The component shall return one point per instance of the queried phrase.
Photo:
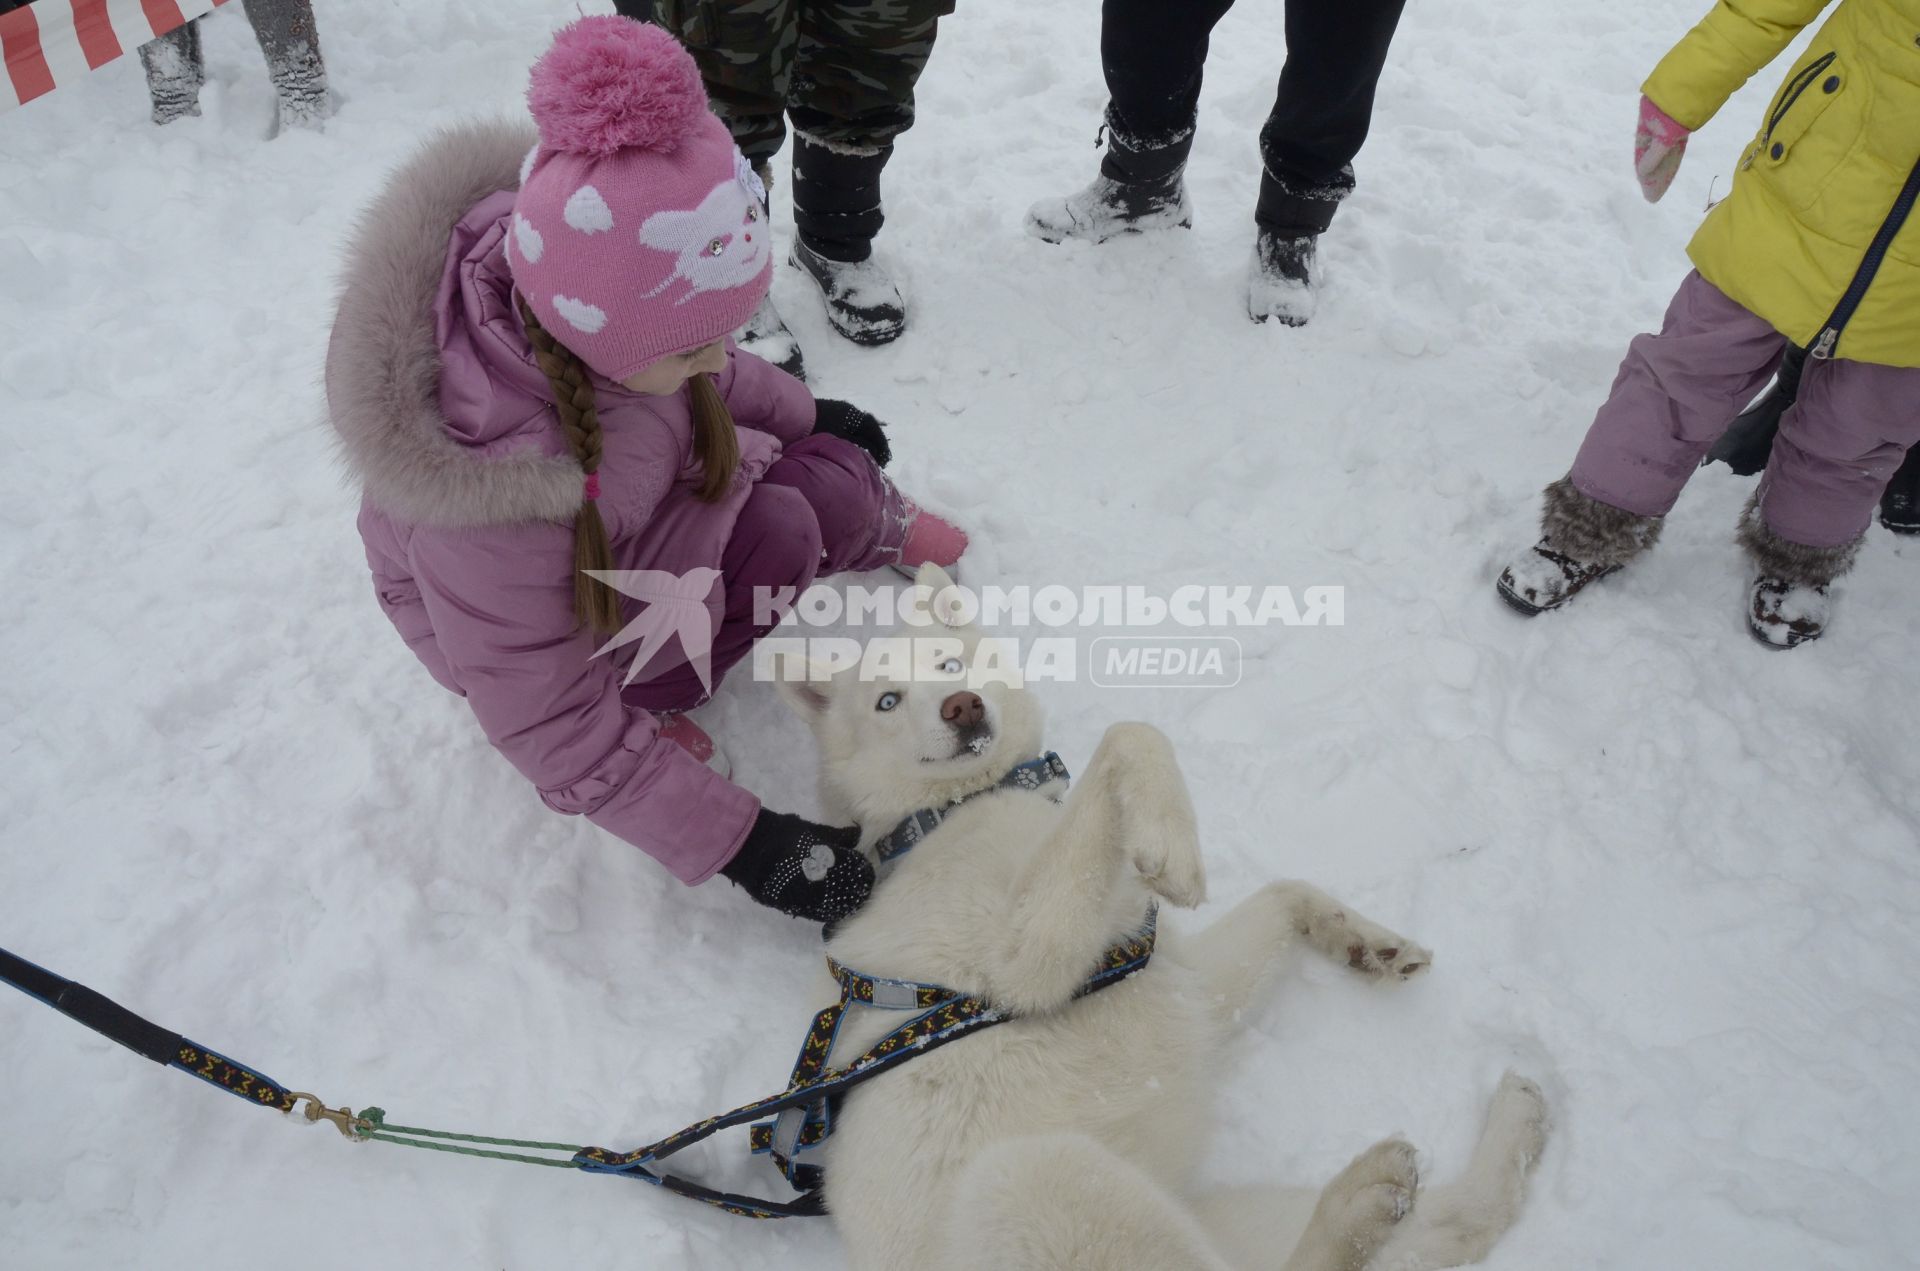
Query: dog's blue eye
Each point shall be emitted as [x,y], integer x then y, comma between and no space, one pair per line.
[887,702]
[952,666]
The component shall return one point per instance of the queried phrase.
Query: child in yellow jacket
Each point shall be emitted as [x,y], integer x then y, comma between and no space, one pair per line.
[1815,247]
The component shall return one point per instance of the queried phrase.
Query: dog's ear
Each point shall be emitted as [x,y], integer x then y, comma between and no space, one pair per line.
[805,684]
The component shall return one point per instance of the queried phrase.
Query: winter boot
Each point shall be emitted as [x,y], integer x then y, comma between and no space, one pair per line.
[1582,540]
[1789,602]
[690,737]
[175,72]
[291,43]
[1140,188]
[836,208]
[765,334]
[1748,441]
[1290,219]
[929,538]
[1900,502]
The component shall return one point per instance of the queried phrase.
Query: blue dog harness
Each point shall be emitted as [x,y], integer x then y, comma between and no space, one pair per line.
[803,1114]
[1031,775]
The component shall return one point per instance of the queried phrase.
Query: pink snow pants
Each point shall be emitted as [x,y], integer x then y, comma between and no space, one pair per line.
[1677,391]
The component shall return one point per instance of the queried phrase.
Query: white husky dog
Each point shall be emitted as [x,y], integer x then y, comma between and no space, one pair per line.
[1070,1136]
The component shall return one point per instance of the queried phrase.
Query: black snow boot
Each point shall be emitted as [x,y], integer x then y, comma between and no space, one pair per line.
[836,208]
[1900,502]
[1290,218]
[291,43]
[1748,441]
[766,334]
[175,72]
[1140,188]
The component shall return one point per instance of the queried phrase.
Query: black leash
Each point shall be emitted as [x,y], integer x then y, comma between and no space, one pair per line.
[143,1037]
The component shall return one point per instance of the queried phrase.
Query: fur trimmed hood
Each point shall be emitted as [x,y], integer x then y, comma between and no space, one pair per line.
[383,362]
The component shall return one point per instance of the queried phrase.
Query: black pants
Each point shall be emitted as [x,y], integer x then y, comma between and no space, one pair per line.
[1153,52]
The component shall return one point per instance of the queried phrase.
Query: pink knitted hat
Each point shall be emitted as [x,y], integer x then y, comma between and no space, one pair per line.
[638,230]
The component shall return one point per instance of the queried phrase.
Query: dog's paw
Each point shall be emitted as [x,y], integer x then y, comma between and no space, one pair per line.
[1373,950]
[1518,1119]
[1167,858]
[1361,1206]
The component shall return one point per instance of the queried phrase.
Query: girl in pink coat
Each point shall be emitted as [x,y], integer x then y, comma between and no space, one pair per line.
[530,375]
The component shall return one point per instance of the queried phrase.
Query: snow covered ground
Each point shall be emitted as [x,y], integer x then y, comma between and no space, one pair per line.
[1671,874]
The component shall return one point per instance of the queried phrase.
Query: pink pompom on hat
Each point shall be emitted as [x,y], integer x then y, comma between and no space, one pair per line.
[638,231]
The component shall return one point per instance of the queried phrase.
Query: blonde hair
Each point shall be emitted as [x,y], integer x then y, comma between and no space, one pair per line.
[716,444]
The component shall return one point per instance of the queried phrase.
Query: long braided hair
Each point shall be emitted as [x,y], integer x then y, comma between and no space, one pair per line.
[715,444]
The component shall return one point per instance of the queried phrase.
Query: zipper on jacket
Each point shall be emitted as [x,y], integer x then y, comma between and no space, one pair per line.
[1792,93]
[1822,346]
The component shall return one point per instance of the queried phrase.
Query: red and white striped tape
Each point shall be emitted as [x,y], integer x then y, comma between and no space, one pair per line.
[52,42]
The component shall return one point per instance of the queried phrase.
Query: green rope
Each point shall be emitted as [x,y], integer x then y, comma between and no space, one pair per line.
[381,1132]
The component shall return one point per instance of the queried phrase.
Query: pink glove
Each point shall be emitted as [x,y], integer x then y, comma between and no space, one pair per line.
[1658,145]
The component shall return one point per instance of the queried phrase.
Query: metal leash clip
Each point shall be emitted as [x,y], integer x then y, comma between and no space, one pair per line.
[353,1127]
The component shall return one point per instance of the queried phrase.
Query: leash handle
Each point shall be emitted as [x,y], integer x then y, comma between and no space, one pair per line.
[144,1037]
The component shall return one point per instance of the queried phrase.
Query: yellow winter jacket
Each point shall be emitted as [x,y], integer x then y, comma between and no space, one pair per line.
[1815,236]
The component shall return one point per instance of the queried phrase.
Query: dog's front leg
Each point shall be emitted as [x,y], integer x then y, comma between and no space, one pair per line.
[1128,814]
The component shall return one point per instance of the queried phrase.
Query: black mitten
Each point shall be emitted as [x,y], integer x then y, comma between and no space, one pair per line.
[849,423]
[802,868]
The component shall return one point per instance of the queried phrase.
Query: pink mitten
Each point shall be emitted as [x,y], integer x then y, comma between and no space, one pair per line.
[1658,145]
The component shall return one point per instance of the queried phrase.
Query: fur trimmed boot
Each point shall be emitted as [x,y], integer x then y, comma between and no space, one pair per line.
[836,207]
[1139,188]
[766,334]
[1291,218]
[1582,540]
[1789,603]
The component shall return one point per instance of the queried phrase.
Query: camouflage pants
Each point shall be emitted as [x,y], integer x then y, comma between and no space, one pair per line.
[844,70]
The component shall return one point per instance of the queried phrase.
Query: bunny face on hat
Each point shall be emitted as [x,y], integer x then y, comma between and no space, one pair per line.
[639,230]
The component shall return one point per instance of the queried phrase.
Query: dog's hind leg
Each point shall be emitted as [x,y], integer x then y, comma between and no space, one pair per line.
[1062,1202]
[1456,1225]
[1128,812]
[1338,1228]
[1241,953]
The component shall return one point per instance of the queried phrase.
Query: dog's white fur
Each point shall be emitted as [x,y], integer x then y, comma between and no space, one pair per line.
[1070,1136]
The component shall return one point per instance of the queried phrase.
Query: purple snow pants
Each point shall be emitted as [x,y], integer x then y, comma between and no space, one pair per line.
[822,508]
[1677,391]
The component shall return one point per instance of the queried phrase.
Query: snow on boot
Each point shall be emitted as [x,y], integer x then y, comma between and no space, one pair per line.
[291,43]
[1789,604]
[1582,540]
[1140,188]
[1291,216]
[690,737]
[766,336]
[929,539]
[863,304]
[175,72]
[1109,208]
[836,208]
[1280,281]
[1900,502]
[1782,614]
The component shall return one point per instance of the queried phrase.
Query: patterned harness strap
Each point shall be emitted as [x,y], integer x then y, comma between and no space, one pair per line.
[803,1113]
[904,837]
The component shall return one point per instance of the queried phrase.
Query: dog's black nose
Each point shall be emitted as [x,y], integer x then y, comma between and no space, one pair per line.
[963,710]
